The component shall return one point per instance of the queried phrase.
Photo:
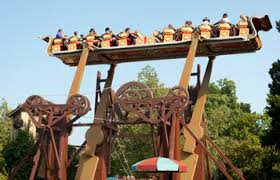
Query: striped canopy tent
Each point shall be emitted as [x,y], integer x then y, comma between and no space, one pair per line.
[159,164]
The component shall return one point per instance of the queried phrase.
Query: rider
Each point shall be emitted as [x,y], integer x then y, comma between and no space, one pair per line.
[170,27]
[170,30]
[92,37]
[158,36]
[113,36]
[74,39]
[225,18]
[243,18]
[217,25]
[243,23]
[205,26]
[64,38]
[188,24]
[131,35]
[206,21]
[59,34]
[81,38]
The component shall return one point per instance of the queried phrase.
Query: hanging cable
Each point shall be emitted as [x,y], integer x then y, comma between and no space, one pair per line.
[125,159]
[92,92]
[124,168]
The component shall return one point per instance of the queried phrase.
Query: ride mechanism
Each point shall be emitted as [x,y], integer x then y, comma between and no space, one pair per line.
[178,114]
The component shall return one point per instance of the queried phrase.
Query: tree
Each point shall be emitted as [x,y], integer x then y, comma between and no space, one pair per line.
[135,142]
[273,108]
[149,76]
[71,171]
[15,150]
[237,131]
[5,132]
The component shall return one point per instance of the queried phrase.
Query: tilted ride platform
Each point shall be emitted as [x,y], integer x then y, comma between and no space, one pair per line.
[177,49]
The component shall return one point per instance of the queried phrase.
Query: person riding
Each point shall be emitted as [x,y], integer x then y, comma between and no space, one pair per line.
[129,35]
[187,27]
[92,32]
[170,27]
[76,34]
[59,34]
[108,31]
[225,19]
[205,27]
[243,19]
[206,21]
[189,24]
[158,36]
[109,34]
[168,31]
[92,37]
[81,39]
[243,25]
[64,38]
[65,41]
[224,23]
[74,37]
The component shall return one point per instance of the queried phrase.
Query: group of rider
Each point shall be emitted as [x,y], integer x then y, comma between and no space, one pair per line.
[132,35]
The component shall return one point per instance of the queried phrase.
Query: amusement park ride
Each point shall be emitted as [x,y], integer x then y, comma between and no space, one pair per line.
[176,116]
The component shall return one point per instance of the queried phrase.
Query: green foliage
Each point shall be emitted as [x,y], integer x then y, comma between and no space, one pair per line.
[237,131]
[134,145]
[12,151]
[15,150]
[255,161]
[149,76]
[71,171]
[5,132]
[273,108]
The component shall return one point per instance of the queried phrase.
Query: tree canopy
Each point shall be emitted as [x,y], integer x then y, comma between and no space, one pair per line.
[273,108]
[5,132]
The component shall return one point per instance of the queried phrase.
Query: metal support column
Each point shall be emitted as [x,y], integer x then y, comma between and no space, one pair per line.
[188,155]
[89,162]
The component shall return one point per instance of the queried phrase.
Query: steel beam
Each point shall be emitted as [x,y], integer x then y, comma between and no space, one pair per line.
[76,83]
[188,155]
[89,162]
[184,83]
[186,74]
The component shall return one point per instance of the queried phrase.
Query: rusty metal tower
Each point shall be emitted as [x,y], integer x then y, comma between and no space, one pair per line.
[172,108]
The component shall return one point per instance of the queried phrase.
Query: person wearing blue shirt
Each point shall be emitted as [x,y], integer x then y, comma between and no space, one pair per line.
[59,34]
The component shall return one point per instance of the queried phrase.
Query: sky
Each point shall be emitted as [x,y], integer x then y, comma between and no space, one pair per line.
[25,68]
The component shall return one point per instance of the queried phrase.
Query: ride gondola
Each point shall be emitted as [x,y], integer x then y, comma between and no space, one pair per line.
[244,40]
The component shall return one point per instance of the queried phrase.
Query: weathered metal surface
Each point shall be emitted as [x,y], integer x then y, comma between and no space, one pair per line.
[219,164]
[89,162]
[50,121]
[208,47]
[195,124]
[76,83]
[137,99]
[187,70]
